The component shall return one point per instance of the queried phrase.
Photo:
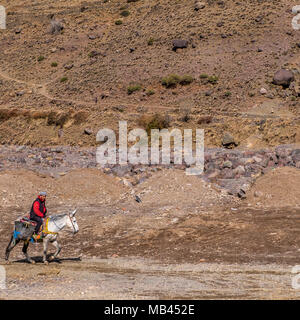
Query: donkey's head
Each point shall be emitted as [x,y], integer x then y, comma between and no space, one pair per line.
[71,222]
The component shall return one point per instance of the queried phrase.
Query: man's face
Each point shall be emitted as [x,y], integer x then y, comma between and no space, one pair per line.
[43,198]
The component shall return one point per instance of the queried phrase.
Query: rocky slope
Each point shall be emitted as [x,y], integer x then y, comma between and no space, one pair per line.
[69,66]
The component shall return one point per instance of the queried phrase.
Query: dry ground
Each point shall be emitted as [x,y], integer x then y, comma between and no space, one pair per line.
[184,240]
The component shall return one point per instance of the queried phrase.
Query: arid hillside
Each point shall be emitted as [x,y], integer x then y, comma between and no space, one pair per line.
[70,68]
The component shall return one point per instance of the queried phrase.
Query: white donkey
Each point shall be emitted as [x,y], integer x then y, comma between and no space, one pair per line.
[54,225]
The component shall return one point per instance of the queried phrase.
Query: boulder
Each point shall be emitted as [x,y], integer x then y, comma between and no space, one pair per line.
[228,140]
[179,44]
[283,77]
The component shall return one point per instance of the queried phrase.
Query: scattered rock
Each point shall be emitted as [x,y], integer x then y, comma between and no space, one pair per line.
[228,140]
[179,44]
[88,131]
[283,77]
[199,6]
[263,91]
[56,27]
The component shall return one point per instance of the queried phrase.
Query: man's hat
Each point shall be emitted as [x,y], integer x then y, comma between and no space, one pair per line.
[43,193]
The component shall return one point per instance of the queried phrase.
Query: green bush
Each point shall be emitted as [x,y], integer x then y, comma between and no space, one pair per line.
[172,80]
[54,64]
[156,121]
[213,79]
[150,92]
[118,22]
[185,80]
[40,58]
[134,88]
[203,76]
[63,79]
[125,13]
[150,42]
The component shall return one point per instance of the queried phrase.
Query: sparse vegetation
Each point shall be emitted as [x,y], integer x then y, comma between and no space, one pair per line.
[150,42]
[185,80]
[156,121]
[118,22]
[213,79]
[54,64]
[40,58]
[186,115]
[203,76]
[63,79]
[133,88]
[57,118]
[125,13]
[172,80]
[150,92]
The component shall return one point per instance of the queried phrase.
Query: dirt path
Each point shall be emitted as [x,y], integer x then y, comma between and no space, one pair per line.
[135,278]
[42,90]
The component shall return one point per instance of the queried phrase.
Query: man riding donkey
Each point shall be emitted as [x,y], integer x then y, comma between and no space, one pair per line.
[38,213]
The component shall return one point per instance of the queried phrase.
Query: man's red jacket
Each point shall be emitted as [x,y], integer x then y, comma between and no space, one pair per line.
[38,208]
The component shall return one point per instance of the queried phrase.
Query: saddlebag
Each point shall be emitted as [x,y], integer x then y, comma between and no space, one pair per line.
[23,230]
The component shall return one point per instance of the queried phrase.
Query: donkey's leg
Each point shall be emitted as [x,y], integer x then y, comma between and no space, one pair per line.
[12,243]
[58,248]
[45,246]
[24,250]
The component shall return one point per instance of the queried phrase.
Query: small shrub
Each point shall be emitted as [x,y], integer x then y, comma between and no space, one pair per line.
[213,79]
[186,115]
[125,13]
[227,94]
[54,64]
[170,81]
[57,118]
[156,121]
[40,58]
[203,76]
[80,117]
[118,22]
[185,80]
[150,92]
[63,79]
[133,88]
[150,42]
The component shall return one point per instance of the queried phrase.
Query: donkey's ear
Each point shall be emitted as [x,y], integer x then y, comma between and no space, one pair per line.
[73,213]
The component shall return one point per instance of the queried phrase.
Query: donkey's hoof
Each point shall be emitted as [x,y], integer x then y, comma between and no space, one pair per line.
[51,258]
[7,262]
[46,263]
[32,261]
